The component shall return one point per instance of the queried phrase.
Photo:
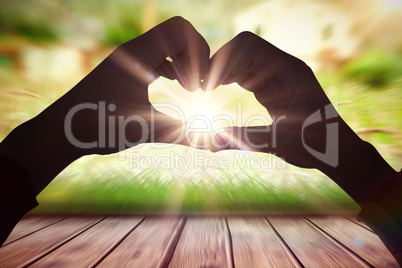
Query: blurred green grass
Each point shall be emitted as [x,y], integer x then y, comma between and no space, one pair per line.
[114,192]
[366,90]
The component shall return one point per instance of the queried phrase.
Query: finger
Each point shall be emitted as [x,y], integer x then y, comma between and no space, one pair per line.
[194,58]
[230,63]
[180,69]
[259,67]
[248,60]
[190,70]
[189,66]
[175,38]
[258,139]
[167,69]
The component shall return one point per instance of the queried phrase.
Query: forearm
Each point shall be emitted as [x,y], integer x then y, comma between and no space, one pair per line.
[374,185]
[38,149]
[361,171]
[17,197]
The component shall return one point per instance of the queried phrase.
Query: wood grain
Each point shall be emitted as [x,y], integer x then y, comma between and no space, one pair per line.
[255,244]
[362,224]
[311,247]
[204,243]
[86,249]
[29,225]
[32,247]
[146,245]
[361,241]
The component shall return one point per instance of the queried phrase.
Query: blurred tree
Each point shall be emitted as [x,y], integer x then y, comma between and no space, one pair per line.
[27,19]
[375,67]
[122,21]
[123,30]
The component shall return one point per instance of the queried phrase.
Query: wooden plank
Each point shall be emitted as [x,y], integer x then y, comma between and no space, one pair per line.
[30,225]
[311,247]
[360,223]
[38,244]
[358,239]
[255,244]
[148,245]
[204,242]
[86,249]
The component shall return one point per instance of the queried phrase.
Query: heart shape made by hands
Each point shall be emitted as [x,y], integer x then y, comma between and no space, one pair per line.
[206,113]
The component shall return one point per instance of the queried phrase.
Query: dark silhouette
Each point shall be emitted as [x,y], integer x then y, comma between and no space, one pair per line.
[288,89]
[36,151]
[121,80]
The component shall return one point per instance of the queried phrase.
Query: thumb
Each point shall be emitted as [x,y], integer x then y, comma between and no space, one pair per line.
[256,139]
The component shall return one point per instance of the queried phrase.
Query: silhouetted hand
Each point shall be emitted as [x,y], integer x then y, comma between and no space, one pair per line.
[306,130]
[285,86]
[109,110]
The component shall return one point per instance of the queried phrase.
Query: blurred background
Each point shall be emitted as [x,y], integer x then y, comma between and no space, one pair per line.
[354,47]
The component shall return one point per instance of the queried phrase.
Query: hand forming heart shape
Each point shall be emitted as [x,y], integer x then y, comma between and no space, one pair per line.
[284,85]
[109,110]
[306,131]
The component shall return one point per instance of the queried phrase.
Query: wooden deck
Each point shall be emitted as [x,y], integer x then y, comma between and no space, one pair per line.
[193,241]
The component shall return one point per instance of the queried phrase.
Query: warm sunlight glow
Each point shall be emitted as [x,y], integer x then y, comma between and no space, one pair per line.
[392,4]
[225,106]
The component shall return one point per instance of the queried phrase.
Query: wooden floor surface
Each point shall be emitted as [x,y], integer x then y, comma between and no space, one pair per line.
[203,241]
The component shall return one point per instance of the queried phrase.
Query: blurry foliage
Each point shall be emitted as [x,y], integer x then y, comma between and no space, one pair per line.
[375,67]
[5,62]
[48,21]
[27,19]
[120,21]
[122,30]
[374,112]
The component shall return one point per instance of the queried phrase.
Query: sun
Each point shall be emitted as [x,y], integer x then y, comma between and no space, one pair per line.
[202,113]
[203,109]
[206,114]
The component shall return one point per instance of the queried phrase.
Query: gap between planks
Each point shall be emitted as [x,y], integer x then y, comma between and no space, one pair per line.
[32,232]
[115,245]
[339,244]
[167,255]
[229,244]
[290,252]
[69,238]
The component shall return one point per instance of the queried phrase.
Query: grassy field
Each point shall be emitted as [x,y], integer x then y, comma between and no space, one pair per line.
[121,190]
